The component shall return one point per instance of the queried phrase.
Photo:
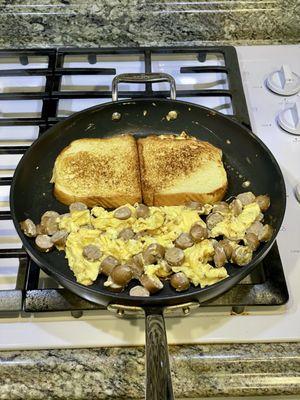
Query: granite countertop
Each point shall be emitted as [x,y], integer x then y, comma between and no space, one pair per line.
[118,373]
[103,23]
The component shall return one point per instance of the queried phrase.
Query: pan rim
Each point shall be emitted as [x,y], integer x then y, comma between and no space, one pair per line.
[152,300]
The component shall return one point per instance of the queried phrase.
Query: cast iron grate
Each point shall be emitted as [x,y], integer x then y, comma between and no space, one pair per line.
[260,288]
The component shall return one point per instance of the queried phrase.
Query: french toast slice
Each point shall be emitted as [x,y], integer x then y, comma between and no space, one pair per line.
[177,170]
[103,172]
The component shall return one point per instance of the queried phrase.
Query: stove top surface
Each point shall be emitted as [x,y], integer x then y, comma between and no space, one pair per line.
[40,87]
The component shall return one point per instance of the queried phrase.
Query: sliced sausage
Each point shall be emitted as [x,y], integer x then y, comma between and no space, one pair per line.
[142,211]
[227,246]
[108,264]
[252,241]
[180,282]
[263,201]
[266,233]
[241,255]
[77,206]
[49,225]
[122,213]
[220,257]
[28,227]
[139,291]
[256,228]
[236,206]
[59,238]
[174,256]
[213,219]
[154,253]
[126,234]
[43,243]
[137,265]
[121,274]
[198,232]
[221,207]
[40,229]
[151,283]
[184,241]
[246,198]
[49,214]
[91,252]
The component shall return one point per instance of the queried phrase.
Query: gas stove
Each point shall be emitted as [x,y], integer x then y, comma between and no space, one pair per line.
[40,87]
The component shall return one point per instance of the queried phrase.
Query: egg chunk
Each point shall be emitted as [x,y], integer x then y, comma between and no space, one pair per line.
[196,265]
[233,227]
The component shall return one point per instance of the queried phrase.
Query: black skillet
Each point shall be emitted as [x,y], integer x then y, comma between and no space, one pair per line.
[245,157]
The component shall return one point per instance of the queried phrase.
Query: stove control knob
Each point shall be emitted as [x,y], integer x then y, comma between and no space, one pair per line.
[289,119]
[284,81]
[297,192]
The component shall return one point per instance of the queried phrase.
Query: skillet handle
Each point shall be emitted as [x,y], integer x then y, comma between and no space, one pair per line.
[158,376]
[143,78]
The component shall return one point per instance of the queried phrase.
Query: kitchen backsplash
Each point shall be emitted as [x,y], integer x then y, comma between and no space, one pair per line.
[48,23]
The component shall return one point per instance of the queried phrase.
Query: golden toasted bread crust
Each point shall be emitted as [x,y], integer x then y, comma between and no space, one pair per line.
[165,161]
[114,171]
[98,172]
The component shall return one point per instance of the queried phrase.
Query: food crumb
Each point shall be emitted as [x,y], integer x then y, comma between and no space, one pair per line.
[116,116]
[228,141]
[145,113]
[246,184]
[171,115]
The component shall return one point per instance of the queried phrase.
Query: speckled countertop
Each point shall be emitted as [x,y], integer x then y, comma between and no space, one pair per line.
[118,373]
[48,23]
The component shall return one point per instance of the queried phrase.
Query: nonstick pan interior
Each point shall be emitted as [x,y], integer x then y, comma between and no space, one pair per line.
[246,159]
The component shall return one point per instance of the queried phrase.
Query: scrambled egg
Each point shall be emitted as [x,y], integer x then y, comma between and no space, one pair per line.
[99,227]
[234,227]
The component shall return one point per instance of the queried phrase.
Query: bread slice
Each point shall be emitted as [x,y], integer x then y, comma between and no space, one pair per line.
[102,172]
[174,171]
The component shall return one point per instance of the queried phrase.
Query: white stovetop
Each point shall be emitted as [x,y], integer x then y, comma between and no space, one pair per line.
[104,329]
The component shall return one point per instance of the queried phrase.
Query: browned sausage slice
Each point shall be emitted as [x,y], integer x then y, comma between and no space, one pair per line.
[246,198]
[219,256]
[174,256]
[213,219]
[121,274]
[237,207]
[198,232]
[122,213]
[59,238]
[108,264]
[28,227]
[184,241]
[180,282]
[263,201]
[153,253]
[43,243]
[151,283]
[142,211]
[140,291]
[77,206]
[49,225]
[91,252]
[126,234]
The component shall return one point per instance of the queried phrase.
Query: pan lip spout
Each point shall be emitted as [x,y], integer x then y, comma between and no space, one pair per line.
[103,296]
